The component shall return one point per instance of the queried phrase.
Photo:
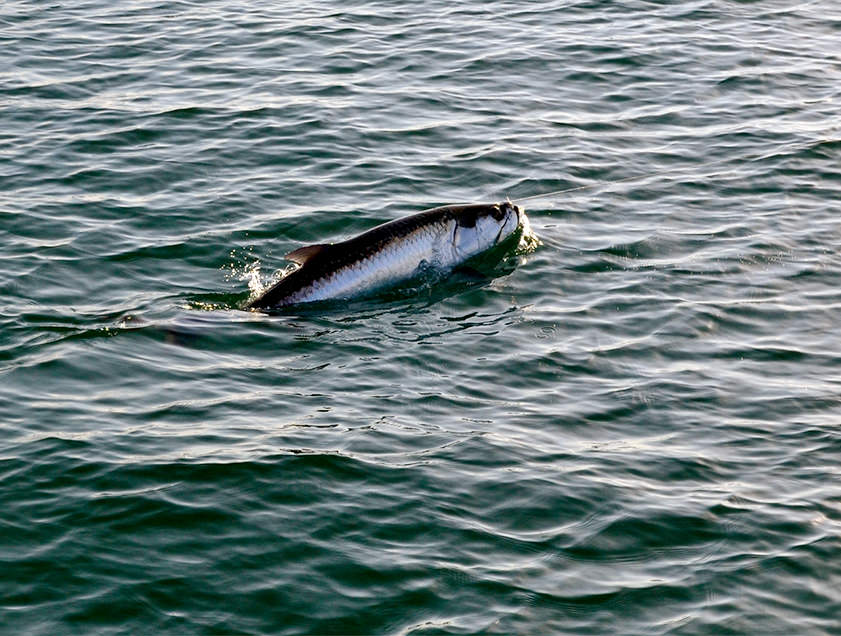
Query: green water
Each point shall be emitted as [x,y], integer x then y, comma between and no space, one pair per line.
[631,430]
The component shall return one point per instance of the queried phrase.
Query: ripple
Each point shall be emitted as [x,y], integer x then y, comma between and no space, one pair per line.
[634,423]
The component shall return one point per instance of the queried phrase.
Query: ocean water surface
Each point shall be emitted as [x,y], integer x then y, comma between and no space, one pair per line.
[631,429]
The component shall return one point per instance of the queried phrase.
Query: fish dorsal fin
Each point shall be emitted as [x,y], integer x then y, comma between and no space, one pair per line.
[303,254]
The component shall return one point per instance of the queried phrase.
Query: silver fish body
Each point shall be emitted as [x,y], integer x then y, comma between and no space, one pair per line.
[440,238]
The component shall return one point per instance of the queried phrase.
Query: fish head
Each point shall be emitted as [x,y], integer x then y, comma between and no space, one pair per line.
[480,227]
[509,217]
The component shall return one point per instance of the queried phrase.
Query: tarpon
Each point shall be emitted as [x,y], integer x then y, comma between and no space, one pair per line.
[440,238]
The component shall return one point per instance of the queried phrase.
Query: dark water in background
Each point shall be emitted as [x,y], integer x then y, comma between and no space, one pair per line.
[634,431]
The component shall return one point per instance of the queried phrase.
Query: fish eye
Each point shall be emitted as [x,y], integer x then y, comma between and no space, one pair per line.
[498,212]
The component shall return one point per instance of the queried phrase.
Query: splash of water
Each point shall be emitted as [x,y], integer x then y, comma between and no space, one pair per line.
[246,268]
[529,241]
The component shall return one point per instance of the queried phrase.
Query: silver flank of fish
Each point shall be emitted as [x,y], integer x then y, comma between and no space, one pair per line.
[401,258]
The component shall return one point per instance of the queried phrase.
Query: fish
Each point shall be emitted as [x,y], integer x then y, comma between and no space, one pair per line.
[439,239]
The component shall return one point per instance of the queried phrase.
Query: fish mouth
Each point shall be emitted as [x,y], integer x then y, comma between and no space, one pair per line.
[506,208]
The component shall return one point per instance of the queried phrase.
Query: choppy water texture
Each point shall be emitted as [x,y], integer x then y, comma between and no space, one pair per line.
[633,429]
